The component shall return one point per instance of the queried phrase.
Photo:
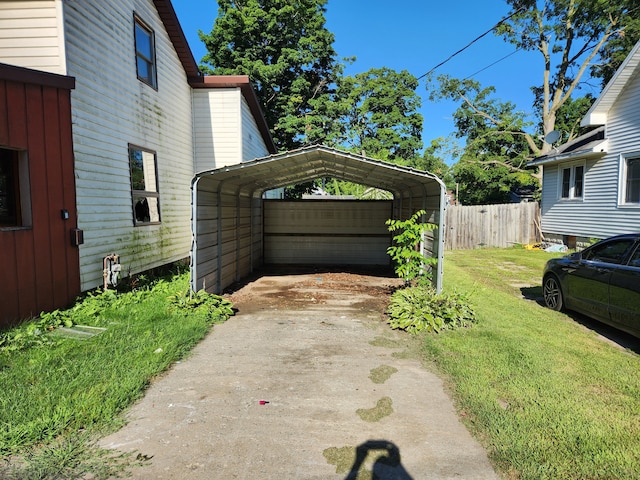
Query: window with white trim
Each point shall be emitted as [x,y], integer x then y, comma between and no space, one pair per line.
[630,180]
[144,186]
[145,53]
[572,182]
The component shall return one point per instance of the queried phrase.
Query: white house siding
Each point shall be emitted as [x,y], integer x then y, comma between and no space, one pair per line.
[31,34]
[112,109]
[252,144]
[598,215]
[217,127]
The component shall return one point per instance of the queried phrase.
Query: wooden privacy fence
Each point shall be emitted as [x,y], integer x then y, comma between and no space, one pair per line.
[477,226]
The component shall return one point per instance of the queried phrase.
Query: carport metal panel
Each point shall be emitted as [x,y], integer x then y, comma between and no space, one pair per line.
[215,263]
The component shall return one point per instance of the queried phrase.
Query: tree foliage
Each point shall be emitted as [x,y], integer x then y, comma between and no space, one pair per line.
[380,115]
[569,35]
[493,161]
[286,50]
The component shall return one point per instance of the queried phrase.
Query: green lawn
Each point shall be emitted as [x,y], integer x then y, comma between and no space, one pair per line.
[60,394]
[547,397]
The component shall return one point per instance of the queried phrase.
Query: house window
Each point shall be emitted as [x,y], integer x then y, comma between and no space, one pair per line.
[572,186]
[631,180]
[144,186]
[145,53]
[15,207]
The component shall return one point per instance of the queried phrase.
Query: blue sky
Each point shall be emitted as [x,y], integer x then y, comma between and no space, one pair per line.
[413,35]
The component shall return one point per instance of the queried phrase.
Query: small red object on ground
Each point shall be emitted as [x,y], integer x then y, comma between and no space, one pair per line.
[263,402]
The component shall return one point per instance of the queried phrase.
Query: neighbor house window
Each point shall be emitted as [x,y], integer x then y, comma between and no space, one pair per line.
[145,53]
[15,210]
[572,185]
[631,180]
[144,186]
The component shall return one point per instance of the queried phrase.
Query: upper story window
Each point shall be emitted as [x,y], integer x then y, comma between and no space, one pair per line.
[15,196]
[145,53]
[630,183]
[572,186]
[144,186]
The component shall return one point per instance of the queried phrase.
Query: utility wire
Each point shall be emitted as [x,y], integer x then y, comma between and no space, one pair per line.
[472,42]
[492,64]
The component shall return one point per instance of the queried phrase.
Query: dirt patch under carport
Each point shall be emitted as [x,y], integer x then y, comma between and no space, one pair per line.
[341,394]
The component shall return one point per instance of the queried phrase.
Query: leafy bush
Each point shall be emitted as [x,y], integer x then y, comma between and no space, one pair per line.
[419,308]
[213,307]
[409,262]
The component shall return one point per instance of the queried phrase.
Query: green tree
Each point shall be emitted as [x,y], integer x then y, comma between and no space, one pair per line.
[569,35]
[493,160]
[432,161]
[616,49]
[380,116]
[285,48]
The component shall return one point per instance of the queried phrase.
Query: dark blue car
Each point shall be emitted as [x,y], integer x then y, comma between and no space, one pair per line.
[602,282]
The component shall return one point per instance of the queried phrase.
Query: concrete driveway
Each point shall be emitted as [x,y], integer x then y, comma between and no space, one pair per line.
[305,382]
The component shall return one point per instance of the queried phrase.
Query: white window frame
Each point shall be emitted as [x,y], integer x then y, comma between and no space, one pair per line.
[622,180]
[572,167]
[145,202]
[148,59]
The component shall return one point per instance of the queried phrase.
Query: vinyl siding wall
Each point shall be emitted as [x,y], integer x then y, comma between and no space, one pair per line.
[599,215]
[252,144]
[112,109]
[31,34]
[218,126]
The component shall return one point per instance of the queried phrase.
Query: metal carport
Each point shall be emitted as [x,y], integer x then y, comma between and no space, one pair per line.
[227,207]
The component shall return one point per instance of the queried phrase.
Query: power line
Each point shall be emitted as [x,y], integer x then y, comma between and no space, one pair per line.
[472,42]
[492,64]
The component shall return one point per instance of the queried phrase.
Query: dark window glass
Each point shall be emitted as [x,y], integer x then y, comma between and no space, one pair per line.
[144,186]
[635,258]
[566,182]
[145,54]
[633,181]
[578,181]
[9,189]
[609,252]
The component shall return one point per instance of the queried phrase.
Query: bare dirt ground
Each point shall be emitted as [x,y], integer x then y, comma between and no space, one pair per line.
[306,381]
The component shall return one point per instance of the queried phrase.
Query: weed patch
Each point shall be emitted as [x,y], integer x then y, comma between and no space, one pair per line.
[382,373]
[383,408]
[56,386]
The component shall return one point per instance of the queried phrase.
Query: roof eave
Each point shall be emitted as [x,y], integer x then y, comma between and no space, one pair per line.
[597,114]
[596,151]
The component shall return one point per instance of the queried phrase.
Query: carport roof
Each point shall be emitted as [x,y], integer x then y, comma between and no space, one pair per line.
[309,163]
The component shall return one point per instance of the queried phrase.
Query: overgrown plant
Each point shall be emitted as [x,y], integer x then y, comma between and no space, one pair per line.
[213,307]
[410,262]
[419,308]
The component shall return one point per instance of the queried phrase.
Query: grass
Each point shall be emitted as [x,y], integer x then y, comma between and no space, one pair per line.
[547,397]
[60,393]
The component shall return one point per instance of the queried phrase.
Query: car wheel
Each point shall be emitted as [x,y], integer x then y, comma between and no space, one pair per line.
[552,293]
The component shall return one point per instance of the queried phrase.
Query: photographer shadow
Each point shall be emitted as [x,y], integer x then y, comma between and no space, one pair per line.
[387,464]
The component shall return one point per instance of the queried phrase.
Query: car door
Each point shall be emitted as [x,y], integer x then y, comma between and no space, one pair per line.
[624,295]
[589,278]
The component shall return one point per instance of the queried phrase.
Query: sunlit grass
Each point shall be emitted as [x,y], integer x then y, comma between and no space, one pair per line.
[548,398]
[53,391]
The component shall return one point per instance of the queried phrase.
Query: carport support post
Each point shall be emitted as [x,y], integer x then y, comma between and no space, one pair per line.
[439,238]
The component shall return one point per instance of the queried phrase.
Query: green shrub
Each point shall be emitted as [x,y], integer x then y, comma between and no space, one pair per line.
[410,263]
[419,308]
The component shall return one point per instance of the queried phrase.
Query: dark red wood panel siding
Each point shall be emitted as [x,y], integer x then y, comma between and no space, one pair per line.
[42,270]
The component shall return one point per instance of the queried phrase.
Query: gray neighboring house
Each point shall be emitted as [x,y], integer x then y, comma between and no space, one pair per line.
[591,185]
